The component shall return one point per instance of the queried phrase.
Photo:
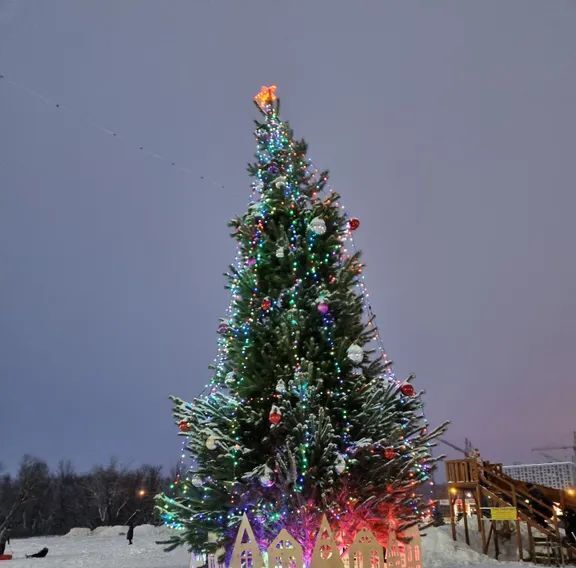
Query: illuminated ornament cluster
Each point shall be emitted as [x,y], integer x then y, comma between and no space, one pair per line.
[264,158]
[275,416]
[355,353]
[265,97]
[407,389]
[317,225]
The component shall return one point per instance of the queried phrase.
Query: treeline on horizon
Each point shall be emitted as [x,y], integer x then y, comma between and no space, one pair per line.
[37,501]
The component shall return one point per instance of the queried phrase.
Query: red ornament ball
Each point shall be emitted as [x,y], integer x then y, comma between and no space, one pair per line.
[407,390]
[266,304]
[354,223]
[389,453]
[183,426]
[275,416]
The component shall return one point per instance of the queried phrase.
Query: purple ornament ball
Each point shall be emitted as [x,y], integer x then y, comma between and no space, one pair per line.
[323,308]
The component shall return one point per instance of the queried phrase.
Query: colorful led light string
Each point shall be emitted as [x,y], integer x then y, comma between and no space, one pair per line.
[221,358]
[264,156]
[241,262]
[371,320]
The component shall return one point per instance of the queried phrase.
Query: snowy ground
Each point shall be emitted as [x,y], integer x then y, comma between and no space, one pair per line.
[107,548]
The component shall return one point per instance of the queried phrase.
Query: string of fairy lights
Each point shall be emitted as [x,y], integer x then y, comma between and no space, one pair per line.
[246,258]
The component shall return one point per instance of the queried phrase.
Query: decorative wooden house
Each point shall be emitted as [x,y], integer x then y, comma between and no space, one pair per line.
[246,553]
[285,552]
[405,552]
[325,553]
[366,551]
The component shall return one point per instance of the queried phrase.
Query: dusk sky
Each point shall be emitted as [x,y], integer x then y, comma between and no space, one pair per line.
[449,128]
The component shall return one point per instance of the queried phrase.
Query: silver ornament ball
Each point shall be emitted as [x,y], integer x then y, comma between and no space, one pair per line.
[318,225]
[355,353]
[211,442]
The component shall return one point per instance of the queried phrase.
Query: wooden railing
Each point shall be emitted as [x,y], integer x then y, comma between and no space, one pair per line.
[462,471]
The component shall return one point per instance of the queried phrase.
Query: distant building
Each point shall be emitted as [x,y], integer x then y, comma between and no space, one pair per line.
[559,475]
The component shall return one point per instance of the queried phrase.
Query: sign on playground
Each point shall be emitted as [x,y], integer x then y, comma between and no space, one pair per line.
[503,513]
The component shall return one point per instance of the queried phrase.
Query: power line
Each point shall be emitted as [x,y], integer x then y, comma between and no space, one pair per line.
[87,120]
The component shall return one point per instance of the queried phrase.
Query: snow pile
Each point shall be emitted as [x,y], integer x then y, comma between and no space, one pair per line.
[116,530]
[153,531]
[507,546]
[439,550]
[121,530]
[79,531]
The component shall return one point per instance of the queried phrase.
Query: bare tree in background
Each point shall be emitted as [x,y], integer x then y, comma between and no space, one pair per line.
[40,502]
[33,480]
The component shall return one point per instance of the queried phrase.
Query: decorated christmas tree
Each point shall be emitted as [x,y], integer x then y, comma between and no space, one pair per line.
[303,415]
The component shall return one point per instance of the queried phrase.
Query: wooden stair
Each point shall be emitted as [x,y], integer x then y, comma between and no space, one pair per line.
[491,487]
[546,551]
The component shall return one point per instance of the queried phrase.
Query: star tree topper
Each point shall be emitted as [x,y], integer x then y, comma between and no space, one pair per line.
[266,96]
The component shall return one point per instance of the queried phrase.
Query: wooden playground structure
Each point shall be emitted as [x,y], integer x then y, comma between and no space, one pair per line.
[511,509]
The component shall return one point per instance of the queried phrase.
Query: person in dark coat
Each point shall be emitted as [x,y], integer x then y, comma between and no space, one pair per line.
[130,533]
[4,539]
[543,513]
[40,554]
[570,525]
